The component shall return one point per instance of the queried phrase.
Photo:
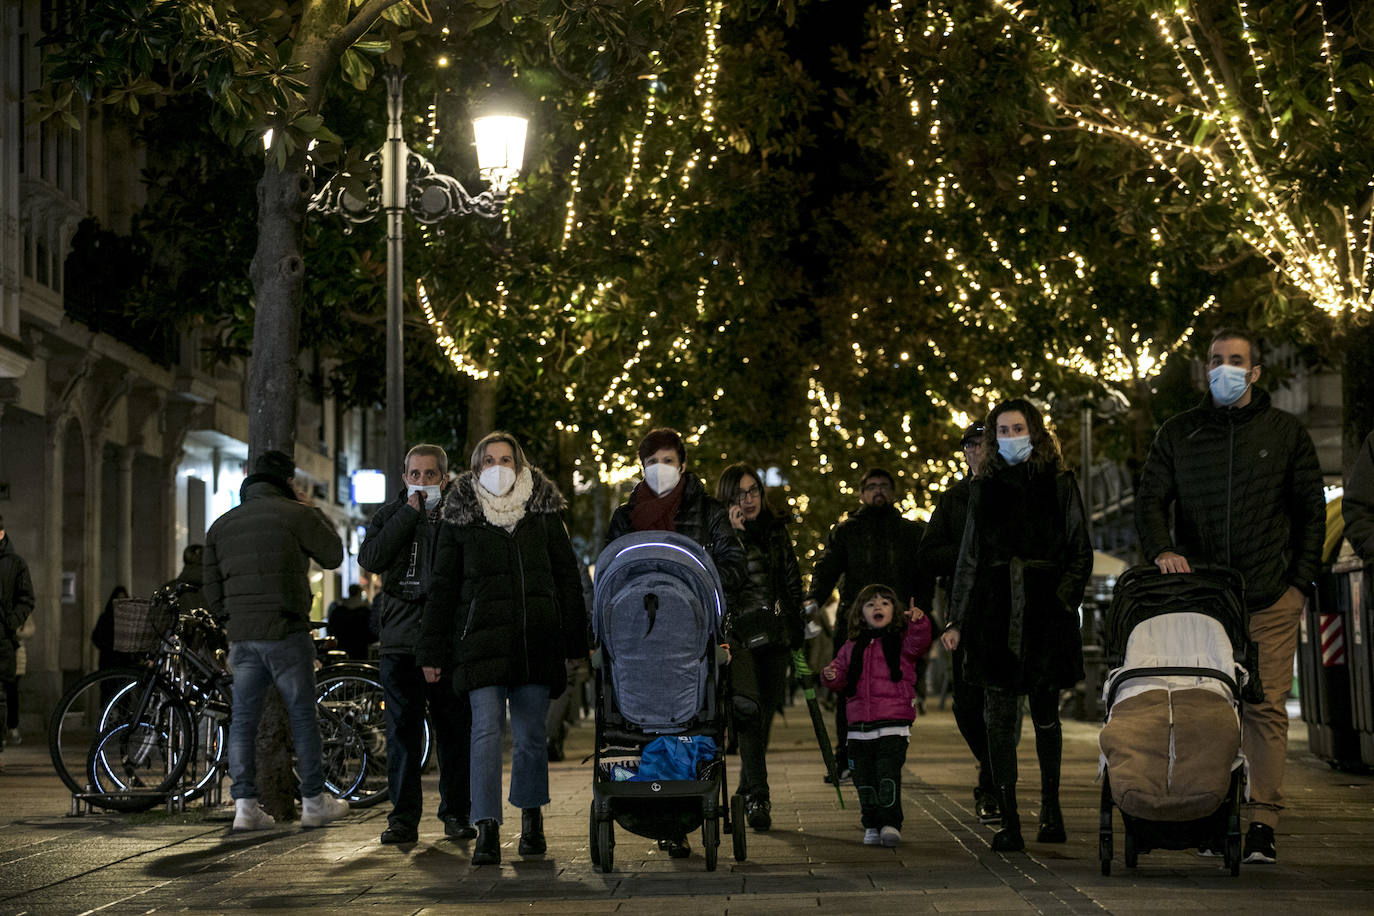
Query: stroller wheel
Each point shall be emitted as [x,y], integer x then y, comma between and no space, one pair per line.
[592,839]
[738,834]
[1233,855]
[1104,827]
[605,841]
[710,840]
[1132,857]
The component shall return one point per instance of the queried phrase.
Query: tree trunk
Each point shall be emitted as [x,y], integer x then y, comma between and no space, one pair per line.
[481,411]
[278,274]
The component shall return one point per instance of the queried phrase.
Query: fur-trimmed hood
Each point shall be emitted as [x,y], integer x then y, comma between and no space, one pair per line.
[462,508]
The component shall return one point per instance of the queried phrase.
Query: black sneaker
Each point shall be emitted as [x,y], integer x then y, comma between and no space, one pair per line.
[986,806]
[458,828]
[399,833]
[677,849]
[758,811]
[1259,845]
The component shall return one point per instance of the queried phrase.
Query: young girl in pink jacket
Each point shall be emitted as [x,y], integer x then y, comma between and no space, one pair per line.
[876,673]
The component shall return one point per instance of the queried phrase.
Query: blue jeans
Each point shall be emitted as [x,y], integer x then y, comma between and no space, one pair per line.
[289,664]
[407,694]
[529,768]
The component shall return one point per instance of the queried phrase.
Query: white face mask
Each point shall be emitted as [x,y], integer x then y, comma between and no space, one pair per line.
[497,479]
[431,493]
[1014,449]
[661,477]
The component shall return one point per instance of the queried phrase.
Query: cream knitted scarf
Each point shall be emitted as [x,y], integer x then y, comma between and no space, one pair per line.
[505,511]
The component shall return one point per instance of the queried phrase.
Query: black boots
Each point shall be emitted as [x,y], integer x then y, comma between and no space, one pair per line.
[1008,839]
[1051,822]
[487,849]
[532,832]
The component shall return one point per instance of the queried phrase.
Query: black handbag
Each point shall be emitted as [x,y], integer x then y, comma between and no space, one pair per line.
[759,627]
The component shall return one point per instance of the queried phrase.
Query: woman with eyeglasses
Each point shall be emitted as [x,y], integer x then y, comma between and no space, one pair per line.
[1019,579]
[765,625]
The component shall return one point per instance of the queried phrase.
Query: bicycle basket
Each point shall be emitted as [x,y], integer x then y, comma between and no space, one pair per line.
[140,623]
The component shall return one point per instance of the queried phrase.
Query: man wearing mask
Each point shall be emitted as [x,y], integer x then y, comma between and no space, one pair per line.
[938,556]
[1242,479]
[874,545]
[399,545]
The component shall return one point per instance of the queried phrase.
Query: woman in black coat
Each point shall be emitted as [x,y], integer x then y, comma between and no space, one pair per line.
[765,625]
[672,498]
[504,610]
[1022,568]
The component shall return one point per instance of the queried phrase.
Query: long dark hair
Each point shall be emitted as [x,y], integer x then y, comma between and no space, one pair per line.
[1044,446]
[730,484]
[855,620]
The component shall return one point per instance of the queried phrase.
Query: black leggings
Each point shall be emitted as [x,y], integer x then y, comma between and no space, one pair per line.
[999,711]
[759,682]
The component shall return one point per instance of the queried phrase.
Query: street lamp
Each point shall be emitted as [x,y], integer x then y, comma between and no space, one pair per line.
[400,180]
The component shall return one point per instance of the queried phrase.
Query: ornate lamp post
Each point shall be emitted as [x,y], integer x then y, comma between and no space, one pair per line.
[400,180]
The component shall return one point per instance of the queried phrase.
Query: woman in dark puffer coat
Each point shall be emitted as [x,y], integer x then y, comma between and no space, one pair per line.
[1022,568]
[503,612]
[765,625]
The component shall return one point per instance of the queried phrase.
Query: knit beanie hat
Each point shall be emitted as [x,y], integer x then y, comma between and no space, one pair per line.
[275,464]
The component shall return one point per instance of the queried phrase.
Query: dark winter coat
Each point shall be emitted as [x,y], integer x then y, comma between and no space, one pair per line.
[873,546]
[1023,564]
[1357,506]
[257,561]
[1246,490]
[399,546]
[16,604]
[504,607]
[702,519]
[939,551]
[773,579]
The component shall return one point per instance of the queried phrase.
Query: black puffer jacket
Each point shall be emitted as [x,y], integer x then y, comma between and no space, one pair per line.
[1357,507]
[504,607]
[773,578]
[1247,493]
[257,561]
[399,545]
[872,546]
[1023,564]
[702,519]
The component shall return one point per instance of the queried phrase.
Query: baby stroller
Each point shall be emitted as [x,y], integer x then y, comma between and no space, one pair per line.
[657,620]
[1171,756]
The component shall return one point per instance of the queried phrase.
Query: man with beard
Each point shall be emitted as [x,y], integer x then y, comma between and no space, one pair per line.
[875,545]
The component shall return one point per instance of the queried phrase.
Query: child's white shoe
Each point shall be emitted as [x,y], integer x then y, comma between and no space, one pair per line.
[871,837]
[321,809]
[890,836]
[249,815]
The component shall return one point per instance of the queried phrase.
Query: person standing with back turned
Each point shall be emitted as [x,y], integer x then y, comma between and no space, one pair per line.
[1243,481]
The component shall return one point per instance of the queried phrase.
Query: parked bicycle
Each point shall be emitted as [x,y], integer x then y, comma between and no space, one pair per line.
[130,738]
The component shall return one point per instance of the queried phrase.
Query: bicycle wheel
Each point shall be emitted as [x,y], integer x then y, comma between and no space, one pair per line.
[136,764]
[86,710]
[353,732]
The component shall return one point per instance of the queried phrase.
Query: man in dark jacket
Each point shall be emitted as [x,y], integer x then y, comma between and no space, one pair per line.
[1357,507]
[938,555]
[257,565]
[16,604]
[875,545]
[192,573]
[399,545]
[1243,480]
[350,623]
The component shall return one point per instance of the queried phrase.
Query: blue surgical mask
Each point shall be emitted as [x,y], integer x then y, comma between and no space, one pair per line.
[1014,449]
[1228,384]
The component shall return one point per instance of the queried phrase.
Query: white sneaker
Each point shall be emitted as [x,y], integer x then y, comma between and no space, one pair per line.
[249,815]
[871,837]
[890,836]
[320,810]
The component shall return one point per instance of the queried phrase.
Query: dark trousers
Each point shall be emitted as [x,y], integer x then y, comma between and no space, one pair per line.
[12,703]
[1001,708]
[877,767]
[758,681]
[407,696]
[968,715]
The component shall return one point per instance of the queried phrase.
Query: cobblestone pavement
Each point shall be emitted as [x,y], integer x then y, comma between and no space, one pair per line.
[812,859]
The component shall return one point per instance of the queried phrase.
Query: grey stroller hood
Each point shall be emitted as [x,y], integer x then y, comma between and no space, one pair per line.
[657,615]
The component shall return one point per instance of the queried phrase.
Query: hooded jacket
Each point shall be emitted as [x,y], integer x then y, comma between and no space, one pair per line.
[257,561]
[504,607]
[877,697]
[1246,490]
[704,520]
